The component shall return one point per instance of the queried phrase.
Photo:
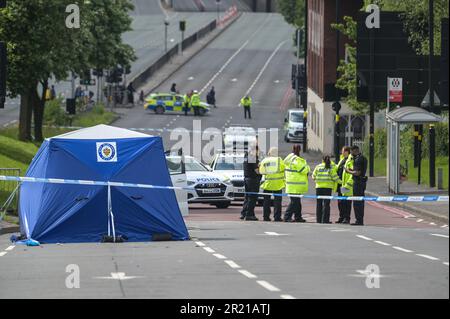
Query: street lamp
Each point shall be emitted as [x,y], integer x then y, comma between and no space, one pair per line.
[166,24]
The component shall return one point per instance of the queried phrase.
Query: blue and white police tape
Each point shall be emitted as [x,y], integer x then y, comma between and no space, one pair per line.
[399,198]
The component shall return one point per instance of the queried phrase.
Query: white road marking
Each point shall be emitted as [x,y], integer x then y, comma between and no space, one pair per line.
[10,248]
[427,257]
[433,224]
[272,233]
[248,274]
[190,78]
[287,297]
[419,220]
[232,264]
[445,263]
[119,276]
[444,226]
[340,230]
[382,243]
[403,249]
[199,243]
[3,253]
[268,286]
[209,250]
[439,235]
[234,80]
[364,237]
[220,256]
[264,68]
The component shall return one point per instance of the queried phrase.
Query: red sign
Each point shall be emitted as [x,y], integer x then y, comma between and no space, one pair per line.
[395,89]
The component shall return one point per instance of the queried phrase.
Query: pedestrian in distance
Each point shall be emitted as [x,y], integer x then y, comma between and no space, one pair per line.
[252,180]
[296,173]
[131,90]
[52,93]
[325,176]
[359,183]
[211,97]
[344,206]
[272,168]
[141,97]
[173,89]
[246,102]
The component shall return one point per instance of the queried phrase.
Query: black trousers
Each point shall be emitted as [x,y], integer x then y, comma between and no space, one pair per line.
[323,205]
[186,109]
[248,111]
[196,111]
[248,208]
[276,205]
[359,189]
[345,207]
[294,208]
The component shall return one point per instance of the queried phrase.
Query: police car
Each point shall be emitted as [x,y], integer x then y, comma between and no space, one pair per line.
[293,126]
[169,102]
[239,137]
[231,165]
[207,186]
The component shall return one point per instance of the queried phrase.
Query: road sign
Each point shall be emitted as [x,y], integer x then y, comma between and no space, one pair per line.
[395,90]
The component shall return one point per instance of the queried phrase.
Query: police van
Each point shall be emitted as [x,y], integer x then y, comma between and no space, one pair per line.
[293,126]
[161,103]
[206,186]
[239,137]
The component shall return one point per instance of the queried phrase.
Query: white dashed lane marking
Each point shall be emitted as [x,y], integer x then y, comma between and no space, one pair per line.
[209,250]
[382,243]
[247,274]
[427,257]
[403,249]
[232,264]
[10,248]
[3,253]
[199,243]
[268,286]
[363,237]
[439,235]
[220,256]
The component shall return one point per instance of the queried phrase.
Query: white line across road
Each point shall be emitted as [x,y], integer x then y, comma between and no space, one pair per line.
[2,253]
[440,235]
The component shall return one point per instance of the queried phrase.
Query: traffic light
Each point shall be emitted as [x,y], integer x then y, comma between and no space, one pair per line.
[182,25]
[302,77]
[336,106]
[115,75]
[86,78]
[98,72]
[3,61]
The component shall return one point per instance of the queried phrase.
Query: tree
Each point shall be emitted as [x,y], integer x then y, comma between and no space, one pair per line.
[293,11]
[40,46]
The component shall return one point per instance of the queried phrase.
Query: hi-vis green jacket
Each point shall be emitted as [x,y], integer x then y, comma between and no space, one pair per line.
[347,178]
[246,102]
[326,177]
[272,168]
[296,173]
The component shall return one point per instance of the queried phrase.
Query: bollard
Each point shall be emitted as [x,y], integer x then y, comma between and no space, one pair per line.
[440,178]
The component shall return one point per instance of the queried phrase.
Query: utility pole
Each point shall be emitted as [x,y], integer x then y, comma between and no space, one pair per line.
[297,84]
[166,24]
[432,133]
[371,104]
[305,93]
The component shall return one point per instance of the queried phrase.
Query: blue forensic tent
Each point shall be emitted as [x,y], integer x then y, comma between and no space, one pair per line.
[64,213]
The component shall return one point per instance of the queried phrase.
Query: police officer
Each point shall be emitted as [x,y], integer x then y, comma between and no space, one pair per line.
[195,102]
[246,102]
[344,206]
[187,102]
[296,173]
[325,176]
[359,183]
[252,180]
[346,189]
[272,168]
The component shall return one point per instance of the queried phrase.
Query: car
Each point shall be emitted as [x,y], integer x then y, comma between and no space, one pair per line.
[231,165]
[294,126]
[170,102]
[177,171]
[205,185]
[239,137]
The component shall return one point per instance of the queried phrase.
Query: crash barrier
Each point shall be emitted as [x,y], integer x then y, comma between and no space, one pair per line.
[229,14]
[426,198]
[142,78]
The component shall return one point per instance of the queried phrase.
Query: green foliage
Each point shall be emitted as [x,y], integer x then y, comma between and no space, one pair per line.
[55,114]
[380,140]
[415,18]
[17,151]
[293,11]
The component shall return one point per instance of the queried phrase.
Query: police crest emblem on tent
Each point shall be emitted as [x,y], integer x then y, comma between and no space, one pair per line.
[106,152]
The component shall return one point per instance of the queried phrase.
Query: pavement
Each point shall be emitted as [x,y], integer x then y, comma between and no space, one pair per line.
[433,211]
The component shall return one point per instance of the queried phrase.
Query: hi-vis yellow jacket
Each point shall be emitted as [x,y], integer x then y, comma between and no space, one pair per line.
[296,173]
[246,102]
[326,177]
[347,178]
[272,168]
